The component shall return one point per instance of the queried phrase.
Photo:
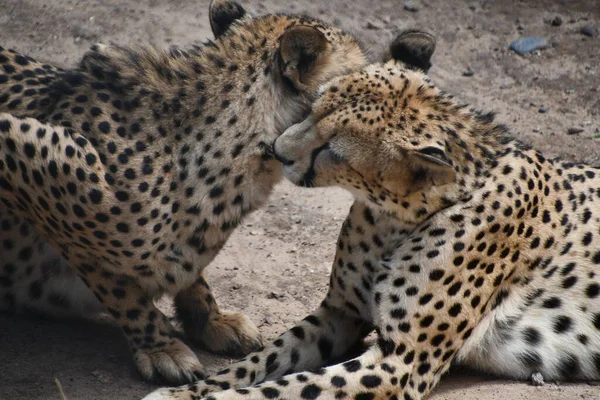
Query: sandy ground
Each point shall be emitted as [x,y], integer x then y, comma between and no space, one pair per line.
[275,268]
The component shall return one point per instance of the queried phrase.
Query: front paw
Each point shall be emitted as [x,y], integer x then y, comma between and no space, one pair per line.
[229,333]
[173,363]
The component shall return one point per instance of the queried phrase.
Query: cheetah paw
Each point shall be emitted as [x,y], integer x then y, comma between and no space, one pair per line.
[174,363]
[231,334]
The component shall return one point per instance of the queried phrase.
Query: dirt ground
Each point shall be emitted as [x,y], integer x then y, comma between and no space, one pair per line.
[276,266]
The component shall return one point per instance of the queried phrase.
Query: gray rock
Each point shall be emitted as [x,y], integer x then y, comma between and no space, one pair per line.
[411,7]
[528,44]
[543,110]
[574,131]
[537,379]
[589,30]
[468,72]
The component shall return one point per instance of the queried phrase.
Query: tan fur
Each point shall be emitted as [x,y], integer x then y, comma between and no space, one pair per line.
[140,165]
[463,244]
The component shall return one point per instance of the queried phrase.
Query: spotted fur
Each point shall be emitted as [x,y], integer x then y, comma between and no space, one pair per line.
[463,245]
[127,174]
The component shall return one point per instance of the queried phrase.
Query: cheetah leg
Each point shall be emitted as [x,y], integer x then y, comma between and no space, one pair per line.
[321,337]
[388,370]
[34,277]
[157,352]
[31,156]
[223,332]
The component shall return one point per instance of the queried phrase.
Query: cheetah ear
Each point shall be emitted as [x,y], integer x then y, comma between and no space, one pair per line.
[302,52]
[223,13]
[414,48]
[431,167]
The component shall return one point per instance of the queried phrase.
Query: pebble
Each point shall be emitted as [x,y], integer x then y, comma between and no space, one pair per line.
[574,131]
[589,30]
[556,21]
[537,379]
[468,72]
[274,295]
[411,7]
[528,44]
[543,110]
[372,26]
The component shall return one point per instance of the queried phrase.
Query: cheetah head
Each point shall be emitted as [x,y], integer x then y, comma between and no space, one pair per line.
[374,132]
[298,53]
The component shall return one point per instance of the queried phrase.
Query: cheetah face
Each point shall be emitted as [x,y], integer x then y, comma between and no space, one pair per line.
[364,135]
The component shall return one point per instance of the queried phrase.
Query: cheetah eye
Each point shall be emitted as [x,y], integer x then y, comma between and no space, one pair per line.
[335,156]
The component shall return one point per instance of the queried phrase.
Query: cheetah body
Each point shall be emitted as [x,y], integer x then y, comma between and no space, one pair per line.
[129,173]
[463,245]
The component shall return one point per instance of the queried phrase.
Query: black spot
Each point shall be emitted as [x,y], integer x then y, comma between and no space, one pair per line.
[455,310]
[298,332]
[562,324]
[552,302]
[270,393]
[310,392]
[531,336]
[593,290]
[338,382]
[569,282]
[352,366]
[370,381]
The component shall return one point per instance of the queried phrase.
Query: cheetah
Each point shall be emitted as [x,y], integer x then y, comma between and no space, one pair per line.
[463,245]
[121,179]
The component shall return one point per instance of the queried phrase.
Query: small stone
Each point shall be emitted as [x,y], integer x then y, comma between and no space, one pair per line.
[543,110]
[589,30]
[274,295]
[556,21]
[372,26]
[411,7]
[102,376]
[574,131]
[528,44]
[468,72]
[537,379]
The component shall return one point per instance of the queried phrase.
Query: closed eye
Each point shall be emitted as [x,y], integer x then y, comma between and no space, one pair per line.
[335,156]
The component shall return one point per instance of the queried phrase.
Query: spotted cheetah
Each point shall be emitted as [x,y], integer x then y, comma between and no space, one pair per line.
[463,245]
[128,174]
